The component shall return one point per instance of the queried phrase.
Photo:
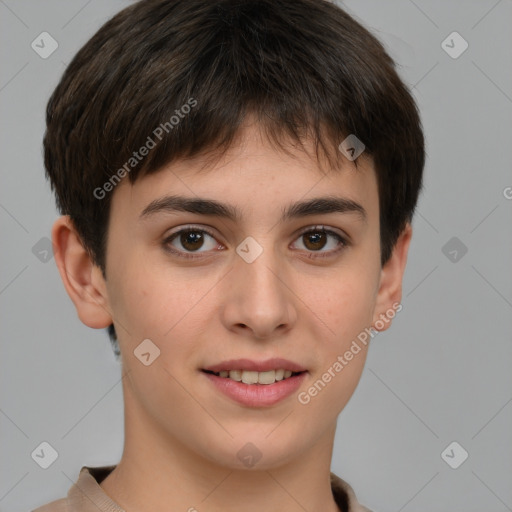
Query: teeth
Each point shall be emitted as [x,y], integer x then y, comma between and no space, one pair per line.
[251,377]
[235,375]
[267,377]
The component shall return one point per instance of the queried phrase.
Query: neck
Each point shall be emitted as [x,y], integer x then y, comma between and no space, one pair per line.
[158,472]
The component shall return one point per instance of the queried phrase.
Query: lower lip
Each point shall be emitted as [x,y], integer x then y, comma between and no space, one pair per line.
[257,395]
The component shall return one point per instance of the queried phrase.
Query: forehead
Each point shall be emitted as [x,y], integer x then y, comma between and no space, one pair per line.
[255,176]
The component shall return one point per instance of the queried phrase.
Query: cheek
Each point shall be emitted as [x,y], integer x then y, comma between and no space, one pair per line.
[345,305]
[159,304]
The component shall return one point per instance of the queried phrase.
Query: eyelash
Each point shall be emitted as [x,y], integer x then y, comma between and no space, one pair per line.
[311,254]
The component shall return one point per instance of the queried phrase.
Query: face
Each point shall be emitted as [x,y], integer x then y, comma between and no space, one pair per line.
[255,287]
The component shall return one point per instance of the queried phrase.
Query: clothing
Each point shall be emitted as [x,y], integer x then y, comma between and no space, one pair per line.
[86,495]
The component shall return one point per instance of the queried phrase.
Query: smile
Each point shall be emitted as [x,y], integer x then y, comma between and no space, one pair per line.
[253,377]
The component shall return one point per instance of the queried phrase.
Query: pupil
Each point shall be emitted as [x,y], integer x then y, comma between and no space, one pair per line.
[192,238]
[315,237]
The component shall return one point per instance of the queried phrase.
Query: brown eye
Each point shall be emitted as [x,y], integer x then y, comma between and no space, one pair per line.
[189,240]
[316,239]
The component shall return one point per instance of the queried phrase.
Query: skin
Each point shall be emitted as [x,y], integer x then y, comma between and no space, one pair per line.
[181,434]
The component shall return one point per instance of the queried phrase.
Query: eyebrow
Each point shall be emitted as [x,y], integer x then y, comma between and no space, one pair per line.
[211,207]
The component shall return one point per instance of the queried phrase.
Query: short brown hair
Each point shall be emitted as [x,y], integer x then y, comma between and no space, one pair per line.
[305,68]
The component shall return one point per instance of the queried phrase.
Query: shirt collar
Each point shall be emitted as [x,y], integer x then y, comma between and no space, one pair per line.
[86,495]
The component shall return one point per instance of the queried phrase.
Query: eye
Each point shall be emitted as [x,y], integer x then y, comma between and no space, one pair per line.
[187,241]
[317,238]
[190,239]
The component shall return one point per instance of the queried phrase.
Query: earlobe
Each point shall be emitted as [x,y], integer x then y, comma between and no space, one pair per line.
[82,279]
[390,289]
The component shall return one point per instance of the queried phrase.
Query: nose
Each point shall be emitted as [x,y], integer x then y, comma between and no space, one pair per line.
[258,301]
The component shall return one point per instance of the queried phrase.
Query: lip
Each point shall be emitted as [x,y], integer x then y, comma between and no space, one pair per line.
[256,395]
[276,363]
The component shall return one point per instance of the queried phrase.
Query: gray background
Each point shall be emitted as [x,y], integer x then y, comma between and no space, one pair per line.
[440,374]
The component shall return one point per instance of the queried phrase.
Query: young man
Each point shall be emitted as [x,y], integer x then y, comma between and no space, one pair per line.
[237,181]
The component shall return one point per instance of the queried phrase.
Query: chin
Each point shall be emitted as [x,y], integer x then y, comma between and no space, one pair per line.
[264,450]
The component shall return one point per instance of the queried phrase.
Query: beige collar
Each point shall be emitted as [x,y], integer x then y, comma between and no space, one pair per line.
[86,495]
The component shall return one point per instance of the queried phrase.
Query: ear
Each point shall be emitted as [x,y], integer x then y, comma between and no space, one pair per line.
[82,279]
[390,287]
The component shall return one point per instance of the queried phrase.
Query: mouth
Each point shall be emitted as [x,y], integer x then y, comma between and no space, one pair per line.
[260,385]
[252,377]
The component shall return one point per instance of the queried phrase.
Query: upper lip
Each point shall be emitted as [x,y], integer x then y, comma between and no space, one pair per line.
[275,363]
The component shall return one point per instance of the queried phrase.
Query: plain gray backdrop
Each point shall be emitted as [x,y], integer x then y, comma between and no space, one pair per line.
[441,374]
